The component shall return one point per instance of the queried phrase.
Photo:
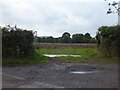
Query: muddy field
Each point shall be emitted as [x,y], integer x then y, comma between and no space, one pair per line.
[62,45]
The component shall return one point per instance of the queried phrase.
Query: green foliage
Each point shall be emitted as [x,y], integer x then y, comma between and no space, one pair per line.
[49,39]
[66,37]
[80,38]
[17,42]
[76,38]
[108,39]
[87,35]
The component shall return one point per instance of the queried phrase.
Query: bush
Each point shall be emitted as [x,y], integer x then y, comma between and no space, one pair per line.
[17,42]
[108,39]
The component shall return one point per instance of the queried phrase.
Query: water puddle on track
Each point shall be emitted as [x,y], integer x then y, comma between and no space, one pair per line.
[60,55]
[82,72]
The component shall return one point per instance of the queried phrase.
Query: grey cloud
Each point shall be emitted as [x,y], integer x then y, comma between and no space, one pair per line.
[56,18]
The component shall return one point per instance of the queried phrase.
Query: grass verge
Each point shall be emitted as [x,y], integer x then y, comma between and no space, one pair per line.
[38,58]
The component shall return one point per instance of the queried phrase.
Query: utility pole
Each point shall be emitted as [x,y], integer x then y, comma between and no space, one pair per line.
[119,13]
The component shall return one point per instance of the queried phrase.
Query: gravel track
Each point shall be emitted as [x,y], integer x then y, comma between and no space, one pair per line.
[56,74]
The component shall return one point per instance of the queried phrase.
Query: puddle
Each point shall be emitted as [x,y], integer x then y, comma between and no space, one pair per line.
[60,55]
[82,72]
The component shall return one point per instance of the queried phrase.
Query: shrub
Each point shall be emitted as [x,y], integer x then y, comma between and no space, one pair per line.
[17,42]
[108,39]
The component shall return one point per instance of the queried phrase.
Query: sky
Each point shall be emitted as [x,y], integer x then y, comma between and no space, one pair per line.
[54,17]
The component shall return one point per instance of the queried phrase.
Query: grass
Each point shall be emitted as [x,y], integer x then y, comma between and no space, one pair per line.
[75,51]
[87,55]
[88,59]
[38,58]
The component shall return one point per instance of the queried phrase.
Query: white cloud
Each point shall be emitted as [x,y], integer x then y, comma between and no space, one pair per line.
[54,18]
[75,20]
[67,0]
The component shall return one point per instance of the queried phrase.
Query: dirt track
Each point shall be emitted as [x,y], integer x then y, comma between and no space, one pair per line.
[56,74]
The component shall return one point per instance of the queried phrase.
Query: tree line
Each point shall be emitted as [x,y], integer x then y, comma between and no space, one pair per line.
[66,38]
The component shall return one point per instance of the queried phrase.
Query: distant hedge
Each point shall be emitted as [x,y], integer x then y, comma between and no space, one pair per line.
[108,39]
[17,42]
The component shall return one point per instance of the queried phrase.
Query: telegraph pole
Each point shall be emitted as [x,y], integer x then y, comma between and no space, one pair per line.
[119,13]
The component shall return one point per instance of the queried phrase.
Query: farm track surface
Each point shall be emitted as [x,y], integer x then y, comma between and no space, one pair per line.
[56,74]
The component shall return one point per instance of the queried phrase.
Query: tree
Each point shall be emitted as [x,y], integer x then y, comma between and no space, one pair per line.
[50,39]
[87,35]
[87,38]
[66,37]
[78,38]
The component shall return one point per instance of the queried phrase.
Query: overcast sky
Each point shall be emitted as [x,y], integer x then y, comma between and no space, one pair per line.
[54,17]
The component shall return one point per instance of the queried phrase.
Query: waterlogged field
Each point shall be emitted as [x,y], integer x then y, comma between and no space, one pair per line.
[87,55]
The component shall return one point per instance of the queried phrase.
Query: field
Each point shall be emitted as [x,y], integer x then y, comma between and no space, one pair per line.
[87,55]
[88,52]
[64,45]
